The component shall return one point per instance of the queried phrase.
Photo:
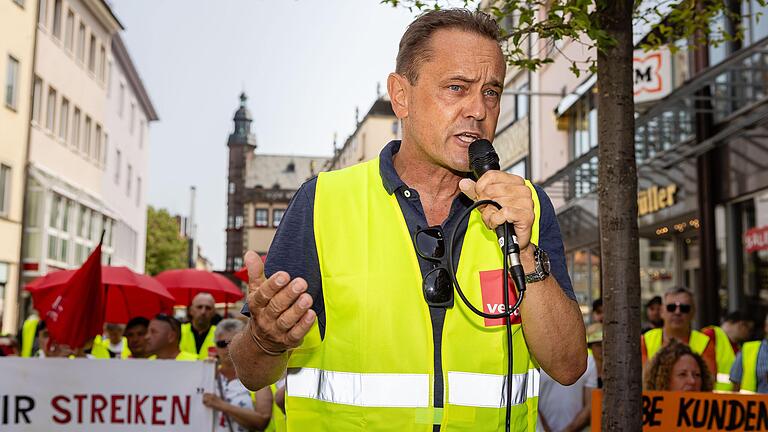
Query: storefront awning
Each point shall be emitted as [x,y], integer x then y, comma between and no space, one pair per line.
[567,102]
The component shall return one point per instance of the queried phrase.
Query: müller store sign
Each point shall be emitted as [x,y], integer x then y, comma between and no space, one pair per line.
[655,198]
[756,239]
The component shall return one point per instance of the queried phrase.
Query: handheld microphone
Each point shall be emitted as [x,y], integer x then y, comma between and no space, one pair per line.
[483,158]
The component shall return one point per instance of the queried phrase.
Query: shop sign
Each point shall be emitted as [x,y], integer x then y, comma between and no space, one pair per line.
[756,239]
[655,198]
[652,72]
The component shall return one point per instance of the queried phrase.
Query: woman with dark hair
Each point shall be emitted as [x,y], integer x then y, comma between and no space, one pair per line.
[676,368]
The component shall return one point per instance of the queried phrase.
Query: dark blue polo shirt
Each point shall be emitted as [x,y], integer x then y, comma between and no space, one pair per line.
[293,249]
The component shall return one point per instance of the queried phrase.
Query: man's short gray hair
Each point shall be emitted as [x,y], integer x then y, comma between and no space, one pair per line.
[678,290]
[229,325]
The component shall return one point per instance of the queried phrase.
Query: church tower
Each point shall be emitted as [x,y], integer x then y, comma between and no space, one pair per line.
[242,144]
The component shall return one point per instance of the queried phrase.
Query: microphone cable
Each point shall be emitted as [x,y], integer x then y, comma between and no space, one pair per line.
[518,275]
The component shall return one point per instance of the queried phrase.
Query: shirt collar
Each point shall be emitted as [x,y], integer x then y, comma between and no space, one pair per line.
[389,177]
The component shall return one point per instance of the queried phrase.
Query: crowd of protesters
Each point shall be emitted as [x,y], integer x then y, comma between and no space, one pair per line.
[675,357]
[205,337]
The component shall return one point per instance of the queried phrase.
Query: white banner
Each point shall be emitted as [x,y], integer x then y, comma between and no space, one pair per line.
[105,395]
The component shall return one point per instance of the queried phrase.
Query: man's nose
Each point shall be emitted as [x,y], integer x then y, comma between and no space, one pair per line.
[475,107]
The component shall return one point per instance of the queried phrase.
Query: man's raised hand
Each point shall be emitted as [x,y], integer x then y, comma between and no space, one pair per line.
[279,307]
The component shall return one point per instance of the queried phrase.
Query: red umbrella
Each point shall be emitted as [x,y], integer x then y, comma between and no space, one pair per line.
[128,294]
[185,284]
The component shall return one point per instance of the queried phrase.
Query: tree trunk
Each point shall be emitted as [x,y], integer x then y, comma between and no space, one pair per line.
[617,193]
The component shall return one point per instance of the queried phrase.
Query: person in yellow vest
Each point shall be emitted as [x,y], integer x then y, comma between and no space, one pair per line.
[197,335]
[236,406]
[29,332]
[728,337]
[113,341]
[678,313]
[163,339]
[749,372]
[356,302]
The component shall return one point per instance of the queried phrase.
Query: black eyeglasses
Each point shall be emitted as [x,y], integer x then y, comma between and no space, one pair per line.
[437,285]
[222,343]
[684,308]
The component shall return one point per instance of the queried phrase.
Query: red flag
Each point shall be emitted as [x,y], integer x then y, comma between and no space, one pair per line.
[77,315]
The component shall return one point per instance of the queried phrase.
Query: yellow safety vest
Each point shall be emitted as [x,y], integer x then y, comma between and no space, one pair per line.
[98,350]
[697,341]
[277,421]
[28,333]
[749,352]
[185,356]
[374,370]
[187,341]
[724,356]
[124,354]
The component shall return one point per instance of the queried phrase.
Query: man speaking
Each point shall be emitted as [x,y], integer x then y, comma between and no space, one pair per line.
[356,301]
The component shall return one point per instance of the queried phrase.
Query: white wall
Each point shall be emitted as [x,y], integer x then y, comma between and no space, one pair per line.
[132,141]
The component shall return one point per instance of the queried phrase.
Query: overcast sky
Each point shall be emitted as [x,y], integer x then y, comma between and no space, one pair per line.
[305,65]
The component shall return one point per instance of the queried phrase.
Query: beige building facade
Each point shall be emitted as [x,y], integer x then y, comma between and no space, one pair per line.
[65,211]
[17,39]
[373,132]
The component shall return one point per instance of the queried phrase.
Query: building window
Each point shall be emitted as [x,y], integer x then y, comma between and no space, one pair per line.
[583,127]
[57,18]
[58,229]
[138,191]
[87,136]
[76,128]
[50,115]
[261,218]
[92,54]
[42,12]
[277,216]
[97,146]
[118,161]
[518,168]
[69,31]
[128,178]
[142,125]
[64,119]
[121,100]
[133,117]
[109,78]
[37,101]
[81,42]
[521,102]
[102,63]
[5,189]
[12,83]
[232,188]
[238,222]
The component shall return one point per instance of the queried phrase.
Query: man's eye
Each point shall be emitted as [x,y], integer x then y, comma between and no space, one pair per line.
[454,87]
[491,93]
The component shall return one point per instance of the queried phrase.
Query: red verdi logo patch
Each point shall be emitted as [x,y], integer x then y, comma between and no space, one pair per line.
[493,297]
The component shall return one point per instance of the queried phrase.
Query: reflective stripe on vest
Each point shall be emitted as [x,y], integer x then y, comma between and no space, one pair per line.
[749,352]
[697,341]
[386,390]
[374,369]
[187,341]
[28,333]
[724,356]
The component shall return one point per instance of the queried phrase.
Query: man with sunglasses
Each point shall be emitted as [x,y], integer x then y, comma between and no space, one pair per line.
[356,300]
[677,314]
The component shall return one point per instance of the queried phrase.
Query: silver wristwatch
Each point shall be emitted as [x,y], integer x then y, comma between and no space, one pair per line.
[541,271]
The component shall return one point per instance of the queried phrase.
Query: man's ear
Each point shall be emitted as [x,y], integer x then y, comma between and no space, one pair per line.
[398,88]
